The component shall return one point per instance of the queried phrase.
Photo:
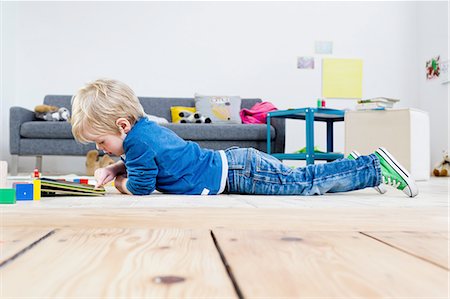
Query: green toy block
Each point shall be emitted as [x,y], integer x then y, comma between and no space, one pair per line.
[7,196]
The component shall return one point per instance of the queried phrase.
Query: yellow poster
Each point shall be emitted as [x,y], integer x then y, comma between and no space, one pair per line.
[342,78]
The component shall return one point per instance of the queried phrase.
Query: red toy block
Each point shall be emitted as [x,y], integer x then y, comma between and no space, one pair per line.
[36,173]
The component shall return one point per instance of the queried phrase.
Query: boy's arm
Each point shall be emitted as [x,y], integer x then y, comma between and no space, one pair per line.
[121,184]
[108,173]
[119,167]
[141,168]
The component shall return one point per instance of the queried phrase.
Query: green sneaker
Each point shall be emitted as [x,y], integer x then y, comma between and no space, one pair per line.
[355,155]
[394,174]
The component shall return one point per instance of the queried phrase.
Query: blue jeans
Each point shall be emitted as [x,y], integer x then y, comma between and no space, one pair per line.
[253,172]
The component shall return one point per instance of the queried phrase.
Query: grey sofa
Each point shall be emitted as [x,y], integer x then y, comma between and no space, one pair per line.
[30,137]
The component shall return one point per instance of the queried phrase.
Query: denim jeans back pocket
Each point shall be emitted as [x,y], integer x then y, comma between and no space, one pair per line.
[237,158]
[270,169]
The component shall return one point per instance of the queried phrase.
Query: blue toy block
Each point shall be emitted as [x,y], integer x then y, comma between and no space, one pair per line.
[76,181]
[24,191]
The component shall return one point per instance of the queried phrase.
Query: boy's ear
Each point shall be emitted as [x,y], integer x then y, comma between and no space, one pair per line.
[123,124]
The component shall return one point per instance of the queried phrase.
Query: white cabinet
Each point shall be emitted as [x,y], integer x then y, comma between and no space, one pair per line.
[404,132]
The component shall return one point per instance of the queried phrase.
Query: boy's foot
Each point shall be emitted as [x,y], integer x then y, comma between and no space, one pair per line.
[395,175]
[355,155]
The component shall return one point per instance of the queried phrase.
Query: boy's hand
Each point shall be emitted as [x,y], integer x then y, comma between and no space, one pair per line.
[121,184]
[104,176]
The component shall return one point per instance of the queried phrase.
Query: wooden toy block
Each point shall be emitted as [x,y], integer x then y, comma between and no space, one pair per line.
[7,196]
[3,173]
[84,181]
[24,191]
[76,181]
[36,190]
[36,174]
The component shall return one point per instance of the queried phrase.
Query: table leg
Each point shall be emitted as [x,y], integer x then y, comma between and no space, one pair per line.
[309,119]
[330,136]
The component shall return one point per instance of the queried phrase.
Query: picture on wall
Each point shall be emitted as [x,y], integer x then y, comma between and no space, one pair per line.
[342,78]
[323,47]
[305,62]
[433,68]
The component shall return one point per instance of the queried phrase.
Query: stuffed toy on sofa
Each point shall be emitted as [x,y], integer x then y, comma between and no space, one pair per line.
[443,168]
[51,113]
[188,117]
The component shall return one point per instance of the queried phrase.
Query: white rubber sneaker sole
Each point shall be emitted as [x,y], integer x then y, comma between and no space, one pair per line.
[411,188]
[380,188]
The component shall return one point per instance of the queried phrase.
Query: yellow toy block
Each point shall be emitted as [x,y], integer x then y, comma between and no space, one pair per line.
[36,189]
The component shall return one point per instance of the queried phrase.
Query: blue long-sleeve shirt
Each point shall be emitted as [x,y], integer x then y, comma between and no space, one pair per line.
[156,158]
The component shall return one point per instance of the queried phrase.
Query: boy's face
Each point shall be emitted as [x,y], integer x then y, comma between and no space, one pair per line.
[109,143]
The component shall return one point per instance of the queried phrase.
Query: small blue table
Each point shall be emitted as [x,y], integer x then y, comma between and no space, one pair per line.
[310,115]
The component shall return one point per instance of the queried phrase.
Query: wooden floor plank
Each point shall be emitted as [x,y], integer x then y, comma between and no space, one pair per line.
[112,263]
[15,239]
[431,246]
[327,265]
[336,219]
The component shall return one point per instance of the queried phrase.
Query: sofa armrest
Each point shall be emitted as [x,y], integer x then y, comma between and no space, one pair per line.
[278,145]
[17,116]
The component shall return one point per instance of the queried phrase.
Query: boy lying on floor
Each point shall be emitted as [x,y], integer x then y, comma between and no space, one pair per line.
[108,113]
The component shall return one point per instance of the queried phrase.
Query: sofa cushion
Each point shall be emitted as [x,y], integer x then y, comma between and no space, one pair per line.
[46,129]
[221,131]
[220,109]
[175,112]
[63,130]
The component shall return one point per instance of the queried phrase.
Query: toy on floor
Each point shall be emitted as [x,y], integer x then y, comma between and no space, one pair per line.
[52,113]
[28,190]
[7,195]
[188,117]
[36,174]
[80,181]
[93,162]
[24,191]
[443,168]
[3,173]
[51,187]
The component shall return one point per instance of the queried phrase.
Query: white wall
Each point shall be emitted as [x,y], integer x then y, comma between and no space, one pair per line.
[433,39]
[178,49]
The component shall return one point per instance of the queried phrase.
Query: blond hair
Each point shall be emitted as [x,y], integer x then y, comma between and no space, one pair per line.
[98,105]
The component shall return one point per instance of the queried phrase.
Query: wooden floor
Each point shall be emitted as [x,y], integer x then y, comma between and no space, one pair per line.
[353,245]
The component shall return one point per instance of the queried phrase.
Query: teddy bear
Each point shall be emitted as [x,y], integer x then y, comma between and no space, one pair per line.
[188,117]
[51,113]
[443,168]
[93,162]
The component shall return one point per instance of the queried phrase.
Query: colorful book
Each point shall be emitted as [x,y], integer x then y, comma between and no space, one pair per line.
[379,103]
[50,187]
[371,106]
[380,100]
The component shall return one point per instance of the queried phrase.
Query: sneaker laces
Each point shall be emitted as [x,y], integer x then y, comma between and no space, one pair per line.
[391,182]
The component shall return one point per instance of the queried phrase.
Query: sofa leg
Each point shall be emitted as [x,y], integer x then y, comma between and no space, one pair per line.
[39,163]
[14,167]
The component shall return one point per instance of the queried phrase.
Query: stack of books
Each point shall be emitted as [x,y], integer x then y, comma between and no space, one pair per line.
[50,187]
[380,103]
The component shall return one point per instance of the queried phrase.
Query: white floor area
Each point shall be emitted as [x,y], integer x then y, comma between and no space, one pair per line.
[432,193]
